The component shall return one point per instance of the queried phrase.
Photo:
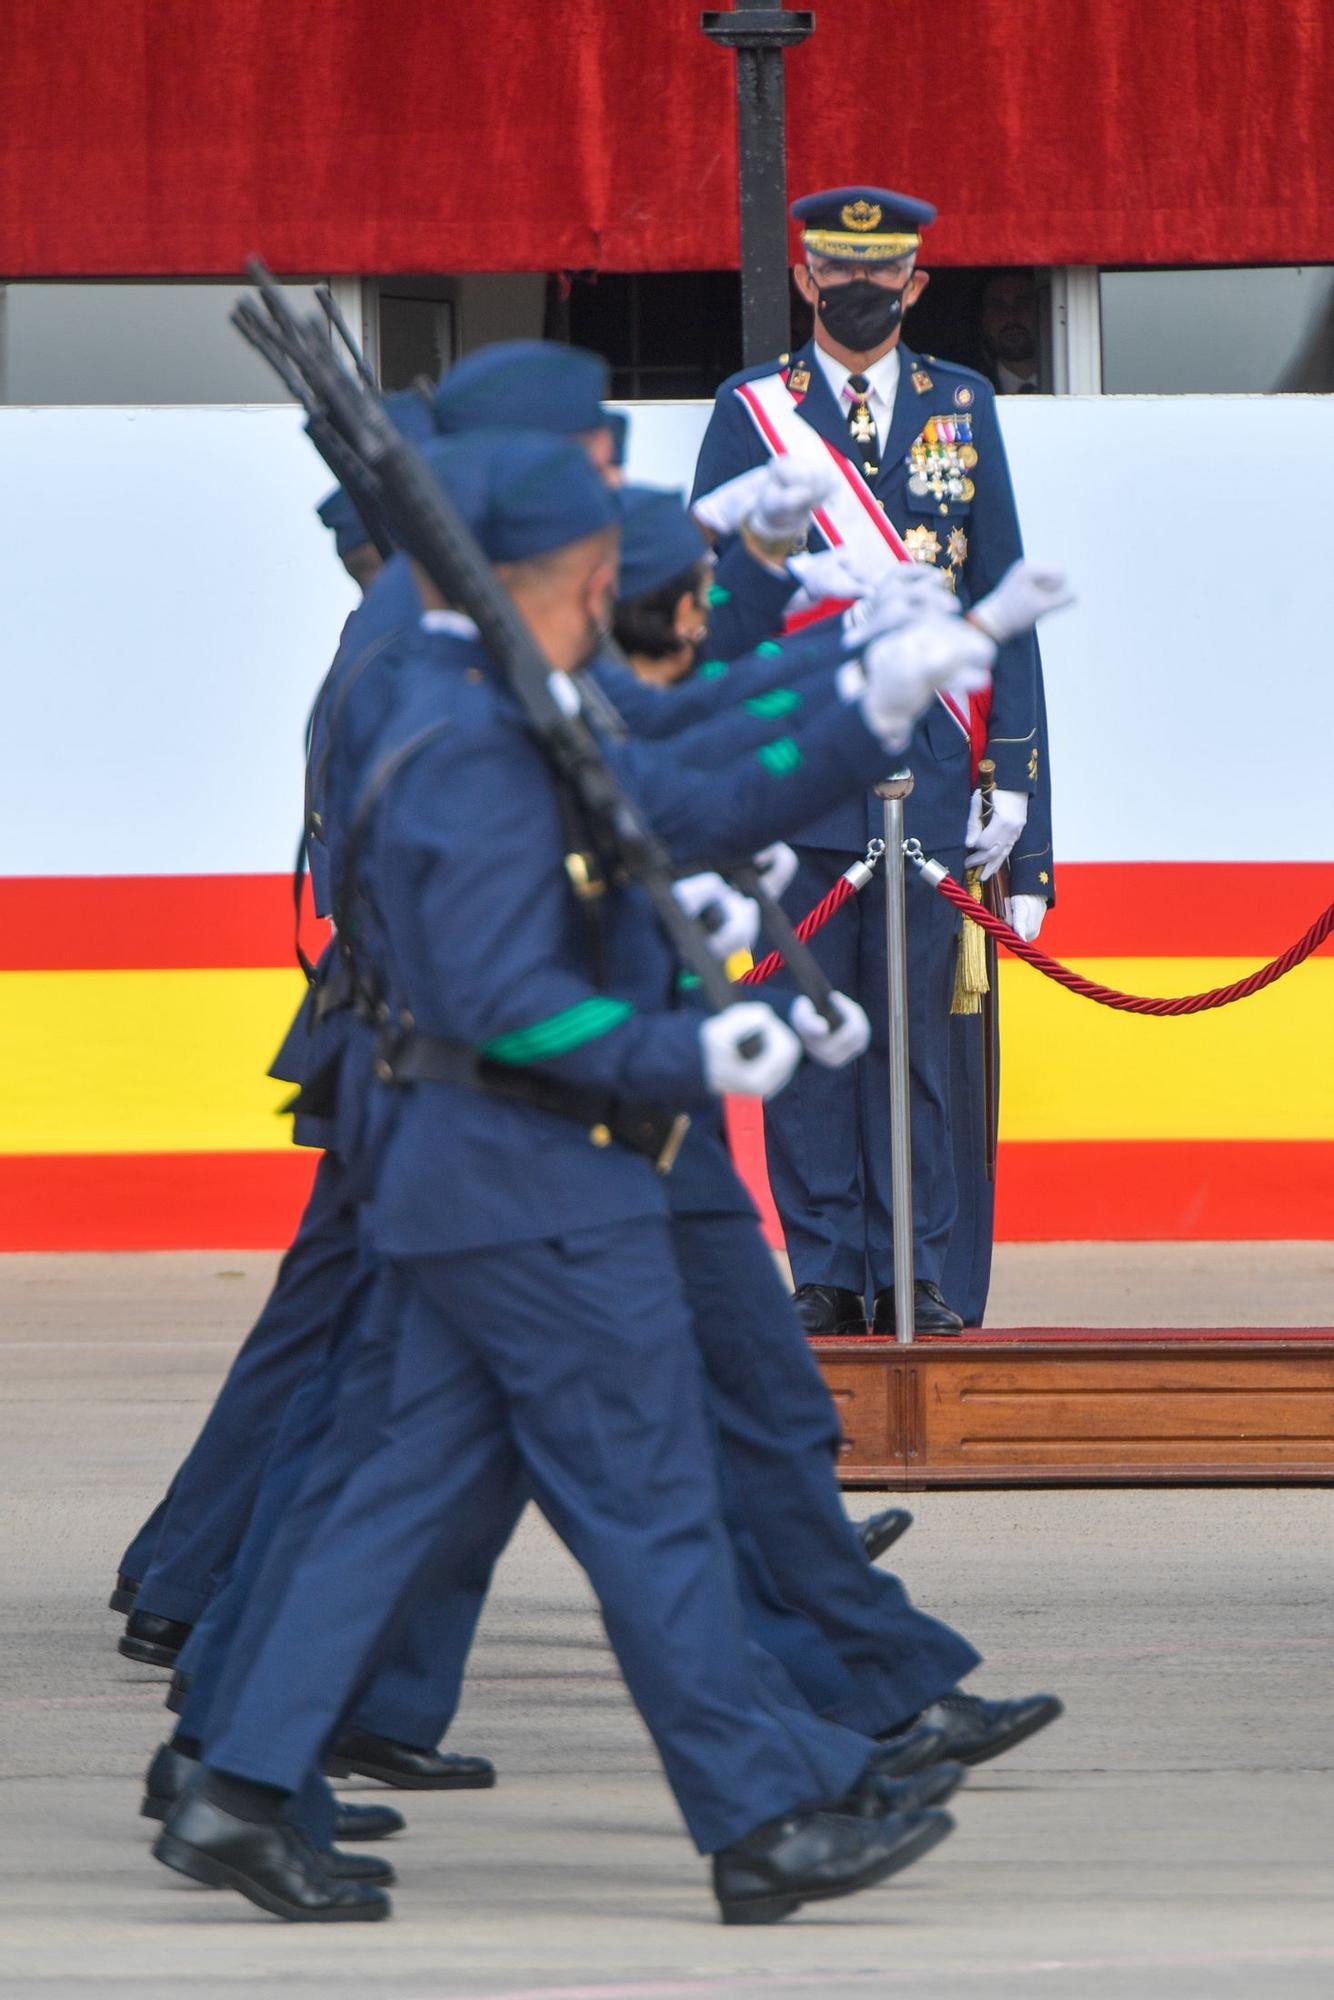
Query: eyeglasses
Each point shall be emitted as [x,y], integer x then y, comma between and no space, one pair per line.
[836,271]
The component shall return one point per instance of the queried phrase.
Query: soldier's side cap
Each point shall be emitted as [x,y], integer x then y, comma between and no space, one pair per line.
[659,540]
[862,225]
[524,385]
[523,493]
[411,412]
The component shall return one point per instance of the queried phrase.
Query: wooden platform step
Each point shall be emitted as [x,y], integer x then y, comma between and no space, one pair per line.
[1087,1406]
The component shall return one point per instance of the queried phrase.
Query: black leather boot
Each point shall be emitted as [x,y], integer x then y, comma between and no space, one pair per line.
[156,1641]
[410,1769]
[814,1856]
[930,1312]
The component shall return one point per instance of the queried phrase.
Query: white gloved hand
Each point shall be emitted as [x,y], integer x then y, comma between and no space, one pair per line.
[988,846]
[906,592]
[777,865]
[905,670]
[783,504]
[738,923]
[829,573]
[730,1073]
[1026,592]
[721,512]
[831,1046]
[1025,914]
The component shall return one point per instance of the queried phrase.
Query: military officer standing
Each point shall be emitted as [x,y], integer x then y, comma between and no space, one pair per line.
[922,476]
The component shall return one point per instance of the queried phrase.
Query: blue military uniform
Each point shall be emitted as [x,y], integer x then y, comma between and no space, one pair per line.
[827,1135]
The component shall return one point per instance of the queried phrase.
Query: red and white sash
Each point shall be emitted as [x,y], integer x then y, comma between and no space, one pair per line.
[852,518]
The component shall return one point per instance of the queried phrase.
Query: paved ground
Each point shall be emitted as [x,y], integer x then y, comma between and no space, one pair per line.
[1171,1838]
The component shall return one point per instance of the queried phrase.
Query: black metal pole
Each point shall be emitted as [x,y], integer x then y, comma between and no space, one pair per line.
[761,35]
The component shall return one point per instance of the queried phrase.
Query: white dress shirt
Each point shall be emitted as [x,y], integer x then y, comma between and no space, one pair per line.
[883,376]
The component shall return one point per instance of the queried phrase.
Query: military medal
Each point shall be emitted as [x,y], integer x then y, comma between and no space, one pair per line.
[956,548]
[862,428]
[922,544]
[938,458]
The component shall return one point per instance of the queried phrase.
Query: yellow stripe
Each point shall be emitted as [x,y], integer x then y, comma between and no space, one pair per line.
[1256,1070]
[142,1062]
[174,1061]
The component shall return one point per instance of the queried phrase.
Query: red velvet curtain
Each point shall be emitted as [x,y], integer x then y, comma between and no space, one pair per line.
[176,136]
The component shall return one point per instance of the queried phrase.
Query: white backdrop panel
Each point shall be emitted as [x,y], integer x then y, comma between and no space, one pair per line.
[170,603]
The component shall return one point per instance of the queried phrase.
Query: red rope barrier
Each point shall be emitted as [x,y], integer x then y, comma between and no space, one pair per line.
[1110,996]
[813,921]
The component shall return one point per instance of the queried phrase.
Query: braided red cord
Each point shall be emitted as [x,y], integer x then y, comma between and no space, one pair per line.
[813,921]
[1135,1003]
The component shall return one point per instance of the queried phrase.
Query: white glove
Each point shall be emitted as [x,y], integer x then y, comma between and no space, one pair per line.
[783,503]
[829,573]
[1025,914]
[730,1073]
[900,595]
[777,866]
[721,512]
[1026,592]
[988,846]
[831,1046]
[904,670]
[739,924]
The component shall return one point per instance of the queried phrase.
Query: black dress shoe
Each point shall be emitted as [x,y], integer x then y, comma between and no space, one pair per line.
[815,1856]
[976,1730]
[156,1641]
[272,1865]
[123,1596]
[879,1532]
[875,1795]
[356,1750]
[358,1868]
[170,1772]
[167,1777]
[826,1311]
[915,1747]
[930,1312]
[366,1822]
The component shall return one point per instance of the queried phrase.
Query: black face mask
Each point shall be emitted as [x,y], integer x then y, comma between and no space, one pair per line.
[859,315]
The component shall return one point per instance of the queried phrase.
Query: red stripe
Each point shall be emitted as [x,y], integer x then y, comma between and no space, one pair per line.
[1113,909]
[1192,909]
[54,923]
[1154,1190]
[767,431]
[153,1201]
[1128,1191]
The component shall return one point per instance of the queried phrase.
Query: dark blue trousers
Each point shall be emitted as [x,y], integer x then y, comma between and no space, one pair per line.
[827,1134]
[200,1525]
[779,1435]
[588,1387]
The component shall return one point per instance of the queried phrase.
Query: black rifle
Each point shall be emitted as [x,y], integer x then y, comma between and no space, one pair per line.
[349,427]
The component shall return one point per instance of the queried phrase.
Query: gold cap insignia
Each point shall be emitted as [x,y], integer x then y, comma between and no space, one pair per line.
[860,214]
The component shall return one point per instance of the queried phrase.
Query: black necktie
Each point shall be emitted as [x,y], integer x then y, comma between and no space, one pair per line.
[864,445]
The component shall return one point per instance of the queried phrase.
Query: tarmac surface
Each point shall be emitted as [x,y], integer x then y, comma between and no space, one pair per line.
[1173,1836]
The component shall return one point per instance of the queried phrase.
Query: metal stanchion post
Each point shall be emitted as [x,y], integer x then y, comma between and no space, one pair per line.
[893,791]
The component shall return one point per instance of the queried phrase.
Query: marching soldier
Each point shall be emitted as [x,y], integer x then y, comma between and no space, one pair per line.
[922,476]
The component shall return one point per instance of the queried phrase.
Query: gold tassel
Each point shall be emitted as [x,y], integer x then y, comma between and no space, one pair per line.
[970,963]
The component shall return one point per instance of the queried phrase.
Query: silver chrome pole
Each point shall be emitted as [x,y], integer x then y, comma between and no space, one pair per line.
[893,791]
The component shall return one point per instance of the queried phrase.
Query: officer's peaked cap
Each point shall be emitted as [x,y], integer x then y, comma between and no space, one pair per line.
[524,385]
[862,225]
[523,493]
[659,540]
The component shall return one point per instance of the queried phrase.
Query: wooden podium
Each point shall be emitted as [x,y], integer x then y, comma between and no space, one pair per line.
[1061,1406]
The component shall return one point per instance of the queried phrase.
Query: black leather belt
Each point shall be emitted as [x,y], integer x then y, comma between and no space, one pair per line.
[407,1056]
